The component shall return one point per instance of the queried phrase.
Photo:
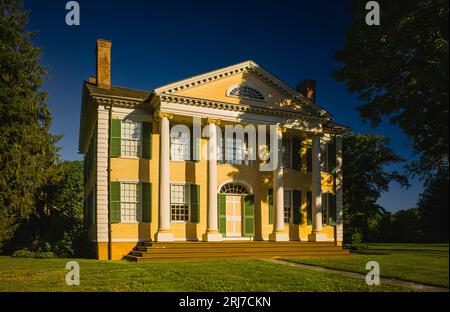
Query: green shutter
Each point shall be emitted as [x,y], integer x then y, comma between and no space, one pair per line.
[297,206]
[331,209]
[146,140]
[249,215]
[309,208]
[309,159]
[146,189]
[270,204]
[114,202]
[195,203]
[296,159]
[331,156]
[222,215]
[115,135]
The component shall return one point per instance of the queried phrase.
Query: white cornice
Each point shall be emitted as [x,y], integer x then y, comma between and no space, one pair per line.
[170,98]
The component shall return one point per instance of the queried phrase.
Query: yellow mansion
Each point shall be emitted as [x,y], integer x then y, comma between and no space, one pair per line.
[159,169]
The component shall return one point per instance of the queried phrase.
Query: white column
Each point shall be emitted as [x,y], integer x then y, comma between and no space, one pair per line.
[339,195]
[212,231]
[164,233]
[316,234]
[278,193]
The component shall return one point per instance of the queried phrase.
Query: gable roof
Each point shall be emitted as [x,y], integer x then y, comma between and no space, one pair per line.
[247,66]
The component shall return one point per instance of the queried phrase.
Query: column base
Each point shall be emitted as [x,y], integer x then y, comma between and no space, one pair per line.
[278,237]
[164,237]
[317,237]
[212,236]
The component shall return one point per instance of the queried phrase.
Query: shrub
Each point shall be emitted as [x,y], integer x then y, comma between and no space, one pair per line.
[357,242]
[26,253]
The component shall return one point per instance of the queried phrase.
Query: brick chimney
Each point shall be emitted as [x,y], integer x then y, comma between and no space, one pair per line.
[103,65]
[308,88]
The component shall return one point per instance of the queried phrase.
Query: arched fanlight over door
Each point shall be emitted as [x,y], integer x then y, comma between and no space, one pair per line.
[234,188]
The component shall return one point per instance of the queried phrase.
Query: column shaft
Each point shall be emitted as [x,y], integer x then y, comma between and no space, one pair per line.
[316,234]
[212,230]
[278,193]
[164,233]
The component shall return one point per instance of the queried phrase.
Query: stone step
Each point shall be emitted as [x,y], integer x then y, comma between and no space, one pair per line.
[208,256]
[232,249]
[236,244]
[241,253]
[235,249]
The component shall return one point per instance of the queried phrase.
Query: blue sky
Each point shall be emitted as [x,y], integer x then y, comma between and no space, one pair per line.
[154,43]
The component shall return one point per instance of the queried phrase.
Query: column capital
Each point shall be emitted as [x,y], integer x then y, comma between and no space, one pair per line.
[210,121]
[159,115]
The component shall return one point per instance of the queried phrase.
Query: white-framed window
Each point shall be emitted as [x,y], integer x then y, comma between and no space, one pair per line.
[130,204]
[179,202]
[287,153]
[325,206]
[233,150]
[287,197]
[180,148]
[131,138]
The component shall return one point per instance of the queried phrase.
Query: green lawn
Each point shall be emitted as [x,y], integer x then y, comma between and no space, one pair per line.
[219,275]
[424,263]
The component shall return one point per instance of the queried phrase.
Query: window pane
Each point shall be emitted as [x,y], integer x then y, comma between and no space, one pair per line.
[131,138]
[180,146]
[179,200]
[235,150]
[129,202]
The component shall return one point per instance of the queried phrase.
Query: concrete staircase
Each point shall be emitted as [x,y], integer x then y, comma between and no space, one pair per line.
[151,251]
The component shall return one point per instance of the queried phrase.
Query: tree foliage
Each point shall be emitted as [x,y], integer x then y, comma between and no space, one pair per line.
[57,224]
[366,158]
[400,71]
[27,149]
[434,206]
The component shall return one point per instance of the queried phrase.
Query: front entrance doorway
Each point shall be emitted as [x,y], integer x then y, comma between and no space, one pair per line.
[234,216]
[236,211]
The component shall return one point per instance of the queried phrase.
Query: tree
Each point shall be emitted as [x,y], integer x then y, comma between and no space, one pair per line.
[27,149]
[365,178]
[57,223]
[400,71]
[403,226]
[433,209]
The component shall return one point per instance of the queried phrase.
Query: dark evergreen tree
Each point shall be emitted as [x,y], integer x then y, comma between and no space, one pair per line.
[27,149]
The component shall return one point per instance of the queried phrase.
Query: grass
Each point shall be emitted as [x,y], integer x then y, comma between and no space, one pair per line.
[208,275]
[423,263]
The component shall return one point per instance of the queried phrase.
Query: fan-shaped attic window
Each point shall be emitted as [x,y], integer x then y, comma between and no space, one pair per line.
[246,91]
